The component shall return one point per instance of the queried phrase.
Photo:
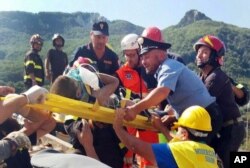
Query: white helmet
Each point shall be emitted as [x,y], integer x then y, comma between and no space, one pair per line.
[129,42]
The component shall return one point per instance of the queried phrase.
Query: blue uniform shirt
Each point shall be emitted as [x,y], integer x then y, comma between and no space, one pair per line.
[186,87]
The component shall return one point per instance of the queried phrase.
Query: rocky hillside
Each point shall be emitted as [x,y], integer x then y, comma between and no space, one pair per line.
[17,27]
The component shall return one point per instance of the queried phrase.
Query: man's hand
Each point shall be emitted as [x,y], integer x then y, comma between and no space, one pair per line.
[4,90]
[168,120]
[130,114]
[85,135]
[119,116]
[36,94]
[157,123]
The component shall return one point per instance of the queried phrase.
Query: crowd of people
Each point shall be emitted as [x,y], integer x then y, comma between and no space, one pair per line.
[198,115]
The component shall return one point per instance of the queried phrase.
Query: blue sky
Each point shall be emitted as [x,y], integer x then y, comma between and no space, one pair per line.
[161,13]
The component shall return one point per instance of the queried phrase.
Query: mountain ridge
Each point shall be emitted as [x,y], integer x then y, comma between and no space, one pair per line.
[192,16]
[17,27]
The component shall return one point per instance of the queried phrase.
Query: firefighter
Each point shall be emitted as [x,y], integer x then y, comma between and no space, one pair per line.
[33,64]
[56,60]
[210,50]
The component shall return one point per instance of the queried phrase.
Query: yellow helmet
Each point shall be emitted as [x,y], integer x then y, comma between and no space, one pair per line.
[195,117]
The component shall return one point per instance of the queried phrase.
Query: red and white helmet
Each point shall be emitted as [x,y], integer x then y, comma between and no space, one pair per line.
[82,61]
[129,42]
[212,42]
[153,33]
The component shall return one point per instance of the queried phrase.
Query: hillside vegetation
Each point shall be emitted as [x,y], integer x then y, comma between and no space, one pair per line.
[17,27]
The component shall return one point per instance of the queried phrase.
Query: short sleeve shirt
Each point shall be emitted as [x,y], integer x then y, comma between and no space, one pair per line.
[186,87]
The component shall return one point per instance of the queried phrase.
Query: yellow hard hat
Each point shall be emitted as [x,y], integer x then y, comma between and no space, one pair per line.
[195,117]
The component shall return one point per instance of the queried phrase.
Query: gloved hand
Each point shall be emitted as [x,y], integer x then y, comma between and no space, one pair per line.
[36,94]
[20,139]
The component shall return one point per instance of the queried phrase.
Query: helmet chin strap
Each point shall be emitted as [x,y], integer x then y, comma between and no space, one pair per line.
[36,50]
[202,65]
[58,46]
[211,61]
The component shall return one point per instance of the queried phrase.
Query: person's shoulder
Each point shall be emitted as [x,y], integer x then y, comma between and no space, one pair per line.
[173,55]
[51,51]
[219,73]
[173,63]
[31,53]
[64,53]
[86,46]
[218,76]
[176,56]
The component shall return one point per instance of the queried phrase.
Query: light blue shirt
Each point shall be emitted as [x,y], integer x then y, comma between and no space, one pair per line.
[186,87]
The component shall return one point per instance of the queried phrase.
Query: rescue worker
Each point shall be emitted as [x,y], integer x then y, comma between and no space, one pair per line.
[210,50]
[56,60]
[187,147]
[130,78]
[149,78]
[176,83]
[33,64]
[105,59]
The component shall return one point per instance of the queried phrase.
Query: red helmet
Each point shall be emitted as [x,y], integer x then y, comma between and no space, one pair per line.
[82,60]
[153,33]
[212,42]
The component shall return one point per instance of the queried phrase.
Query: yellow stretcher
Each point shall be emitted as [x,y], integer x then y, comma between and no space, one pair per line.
[63,105]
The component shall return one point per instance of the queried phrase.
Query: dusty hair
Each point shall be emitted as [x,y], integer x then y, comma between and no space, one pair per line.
[64,86]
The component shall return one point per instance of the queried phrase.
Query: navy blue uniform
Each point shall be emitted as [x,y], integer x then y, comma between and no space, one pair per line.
[108,64]
[58,61]
[219,86]
[33,64]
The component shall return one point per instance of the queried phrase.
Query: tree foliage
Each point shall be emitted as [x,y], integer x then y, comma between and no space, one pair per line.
[17,27]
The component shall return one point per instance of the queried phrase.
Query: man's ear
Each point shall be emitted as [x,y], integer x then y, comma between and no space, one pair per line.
[78,93]
[185,135]
[162,54]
